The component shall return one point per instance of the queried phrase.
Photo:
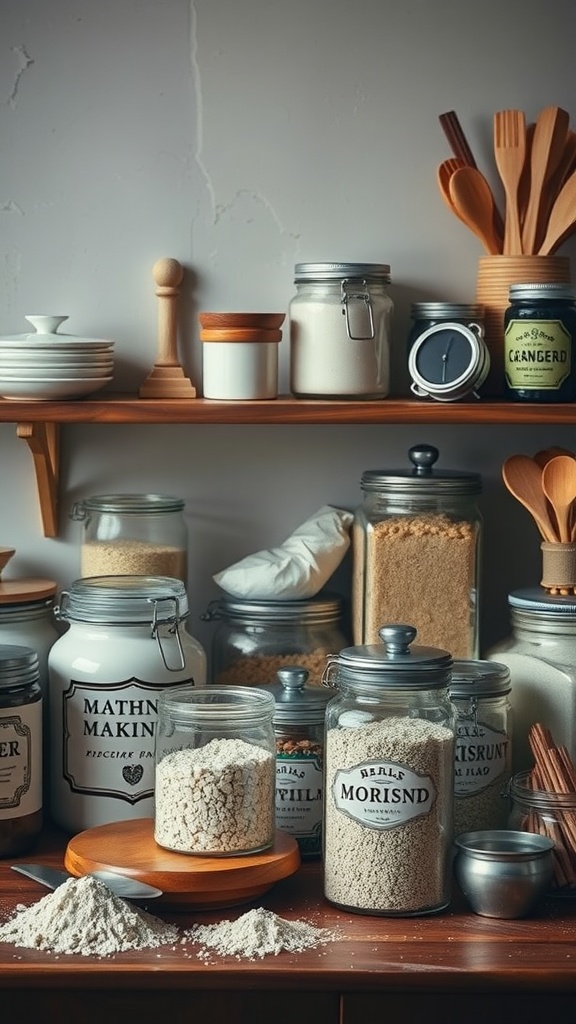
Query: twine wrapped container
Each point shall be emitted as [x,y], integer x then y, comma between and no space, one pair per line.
[495,275]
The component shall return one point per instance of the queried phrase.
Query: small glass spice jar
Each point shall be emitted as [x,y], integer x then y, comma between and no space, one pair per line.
[256,638]
[133,534]
[389,777]
[215,771]
[540,653]
[20,749]
[340,329]
[126,642]
[416,553]
[552,815]
[540,343]
[483,758]
[299,730]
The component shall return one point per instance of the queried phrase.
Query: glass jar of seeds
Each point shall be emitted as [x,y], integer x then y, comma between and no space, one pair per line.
[416,554]
[253,639]
[299,730]
[133,535]
[389,777]
[483,759]
[215,770]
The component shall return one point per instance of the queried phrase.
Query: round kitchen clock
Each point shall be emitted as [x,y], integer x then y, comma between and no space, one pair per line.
[448,361]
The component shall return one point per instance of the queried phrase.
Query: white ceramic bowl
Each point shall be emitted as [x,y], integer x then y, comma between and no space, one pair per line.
[50,390]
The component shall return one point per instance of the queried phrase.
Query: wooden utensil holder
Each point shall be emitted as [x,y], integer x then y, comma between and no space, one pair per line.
[495,275]
[558,568]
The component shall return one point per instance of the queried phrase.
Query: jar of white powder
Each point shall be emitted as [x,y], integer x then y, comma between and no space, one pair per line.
[389,777]
[483,759]
[125,643]
[340,326]
[215,770]
[541,656]
[133,534]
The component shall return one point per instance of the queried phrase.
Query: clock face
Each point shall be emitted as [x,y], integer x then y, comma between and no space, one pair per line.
[443,356]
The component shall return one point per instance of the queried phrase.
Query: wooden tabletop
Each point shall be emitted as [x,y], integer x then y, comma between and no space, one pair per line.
[419,965]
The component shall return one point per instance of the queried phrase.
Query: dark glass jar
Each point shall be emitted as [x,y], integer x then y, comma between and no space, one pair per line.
[20,749]
[539,343]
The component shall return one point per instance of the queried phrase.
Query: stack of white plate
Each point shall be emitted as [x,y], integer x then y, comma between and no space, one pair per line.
[45,365]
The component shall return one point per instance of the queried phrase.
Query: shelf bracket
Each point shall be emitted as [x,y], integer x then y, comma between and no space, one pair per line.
[42,440]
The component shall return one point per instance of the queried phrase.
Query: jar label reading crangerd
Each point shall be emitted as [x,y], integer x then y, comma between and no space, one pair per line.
[481,757]
[382,794]
[109,738]
[537,354]
[20,760]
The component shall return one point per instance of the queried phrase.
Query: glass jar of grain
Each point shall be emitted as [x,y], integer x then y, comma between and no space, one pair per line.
[416,554]
[254,639]
[215,770]
[133,535]
[389,777]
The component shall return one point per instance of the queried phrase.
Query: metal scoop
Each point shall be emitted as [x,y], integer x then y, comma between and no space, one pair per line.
[120,885]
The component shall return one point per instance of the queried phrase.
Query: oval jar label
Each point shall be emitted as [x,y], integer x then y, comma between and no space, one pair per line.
[537,354]
[383,794]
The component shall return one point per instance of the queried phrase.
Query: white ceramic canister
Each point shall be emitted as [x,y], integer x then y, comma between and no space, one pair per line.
[240,370]
[125,643]
[340,324]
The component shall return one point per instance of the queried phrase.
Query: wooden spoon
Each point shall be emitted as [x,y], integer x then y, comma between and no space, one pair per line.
[443,175]
[552,125]
[523,478]
[559,486]
[562,217]
[546,454]
[474,203]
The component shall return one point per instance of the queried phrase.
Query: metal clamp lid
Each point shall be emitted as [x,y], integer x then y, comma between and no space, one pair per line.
[422,477]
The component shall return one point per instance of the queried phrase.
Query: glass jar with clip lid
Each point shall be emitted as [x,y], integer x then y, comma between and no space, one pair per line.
[126,640]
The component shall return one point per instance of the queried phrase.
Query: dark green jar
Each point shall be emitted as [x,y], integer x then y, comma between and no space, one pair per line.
[539,343]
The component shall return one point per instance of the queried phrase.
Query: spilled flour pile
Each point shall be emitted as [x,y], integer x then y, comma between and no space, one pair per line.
[84,916]
[258,933]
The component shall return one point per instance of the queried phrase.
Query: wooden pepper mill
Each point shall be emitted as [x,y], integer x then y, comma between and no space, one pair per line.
[167,378]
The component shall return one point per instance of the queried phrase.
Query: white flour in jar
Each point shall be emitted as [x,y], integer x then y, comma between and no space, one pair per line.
[218,798]
[84,916]
[400,869]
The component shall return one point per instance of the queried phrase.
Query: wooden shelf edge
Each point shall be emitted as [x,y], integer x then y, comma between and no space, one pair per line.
[117,408]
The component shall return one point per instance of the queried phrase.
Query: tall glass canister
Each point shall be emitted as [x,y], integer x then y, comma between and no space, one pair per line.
[389,771]
[416,553]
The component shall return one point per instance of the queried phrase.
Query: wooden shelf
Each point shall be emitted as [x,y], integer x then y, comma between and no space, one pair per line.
[38,423]
[116,407]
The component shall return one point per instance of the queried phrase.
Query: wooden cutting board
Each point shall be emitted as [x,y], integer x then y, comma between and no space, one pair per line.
[188,882]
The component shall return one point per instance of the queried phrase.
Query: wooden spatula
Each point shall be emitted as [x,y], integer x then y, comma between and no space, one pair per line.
[509,153]
[552,125]
[562,217]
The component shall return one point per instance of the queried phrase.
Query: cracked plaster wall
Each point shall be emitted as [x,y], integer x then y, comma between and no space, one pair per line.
[242,136]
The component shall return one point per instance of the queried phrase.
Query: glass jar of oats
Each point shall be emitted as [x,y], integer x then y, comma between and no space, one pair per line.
[133,535]
[416,554]
[254,639]
[389,777]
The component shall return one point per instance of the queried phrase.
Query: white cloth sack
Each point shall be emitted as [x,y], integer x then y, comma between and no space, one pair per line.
[299,567]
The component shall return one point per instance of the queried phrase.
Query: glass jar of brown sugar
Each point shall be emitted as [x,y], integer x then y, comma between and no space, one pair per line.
[254,639]
[20,749]
[416,554]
